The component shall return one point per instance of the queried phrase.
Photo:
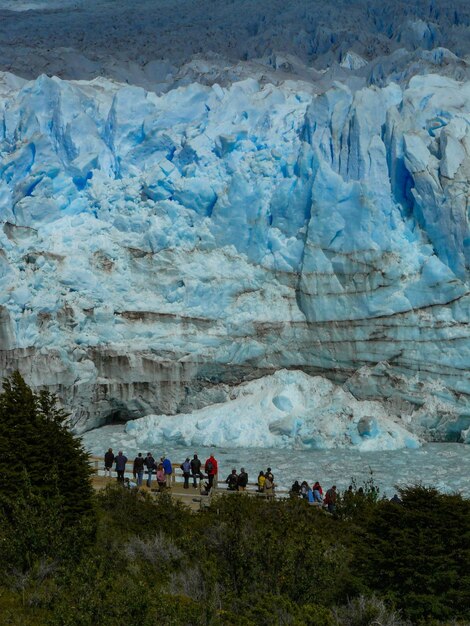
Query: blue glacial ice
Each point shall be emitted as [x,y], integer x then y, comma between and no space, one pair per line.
[289,409]
[224,219]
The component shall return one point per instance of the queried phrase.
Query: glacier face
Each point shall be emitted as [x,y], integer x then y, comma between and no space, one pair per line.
[243,213]
[212,233]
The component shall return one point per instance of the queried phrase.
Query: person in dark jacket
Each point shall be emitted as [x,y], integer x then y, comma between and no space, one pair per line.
[186,469]
[232,480]
[196,470]
[242,480]
[295,490]
[330,499]
[149,463]
[108,462]
[120,461]
[138,469]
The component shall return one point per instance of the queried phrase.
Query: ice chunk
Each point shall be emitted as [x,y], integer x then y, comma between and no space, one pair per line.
[305,412]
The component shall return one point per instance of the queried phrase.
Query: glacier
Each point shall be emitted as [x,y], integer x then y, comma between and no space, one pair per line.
[178,224]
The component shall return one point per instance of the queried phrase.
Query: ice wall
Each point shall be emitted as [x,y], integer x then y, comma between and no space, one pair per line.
[157,250]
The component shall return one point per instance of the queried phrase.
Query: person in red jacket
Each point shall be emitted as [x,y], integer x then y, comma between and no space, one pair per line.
[211,469]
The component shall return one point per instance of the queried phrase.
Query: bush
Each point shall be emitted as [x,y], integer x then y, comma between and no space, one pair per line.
[283,547]
[363,611]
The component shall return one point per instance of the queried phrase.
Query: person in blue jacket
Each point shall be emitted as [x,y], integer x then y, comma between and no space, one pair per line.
[168,469]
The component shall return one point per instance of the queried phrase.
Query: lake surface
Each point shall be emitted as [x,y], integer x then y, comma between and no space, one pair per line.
[445,466]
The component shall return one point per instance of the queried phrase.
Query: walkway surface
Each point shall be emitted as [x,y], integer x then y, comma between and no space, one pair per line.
[191,497]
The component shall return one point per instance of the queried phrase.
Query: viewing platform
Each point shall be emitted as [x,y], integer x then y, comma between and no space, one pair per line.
[192,496]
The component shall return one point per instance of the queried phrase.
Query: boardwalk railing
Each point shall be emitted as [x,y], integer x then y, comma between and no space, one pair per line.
[97,464]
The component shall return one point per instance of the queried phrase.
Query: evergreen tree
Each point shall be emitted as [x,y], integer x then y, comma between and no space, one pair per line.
[45,489]
[418,554]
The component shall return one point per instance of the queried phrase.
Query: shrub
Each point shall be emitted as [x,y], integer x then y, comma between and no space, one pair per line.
[364,611]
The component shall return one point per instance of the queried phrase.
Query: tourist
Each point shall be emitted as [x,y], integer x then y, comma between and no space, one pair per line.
[330,499]
[261,481]
[295,490]
[317,492]
[204,488]
[130,484]
[318,487]
[232,480]
[120,461]
[168,470]
[138,469]
[396,499]
[242,480]
[108,462]
[186,469]
[196,470]
[304,490]
[161,478]
[269,474]
[211,469]
[149,463]
[269,486]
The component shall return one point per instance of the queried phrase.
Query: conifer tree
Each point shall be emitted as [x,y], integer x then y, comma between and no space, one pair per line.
[45,489]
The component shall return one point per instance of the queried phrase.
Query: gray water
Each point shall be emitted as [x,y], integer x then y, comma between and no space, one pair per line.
[445,466]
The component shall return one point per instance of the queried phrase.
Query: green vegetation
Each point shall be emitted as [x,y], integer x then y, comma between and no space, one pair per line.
[70,558]
[46,500]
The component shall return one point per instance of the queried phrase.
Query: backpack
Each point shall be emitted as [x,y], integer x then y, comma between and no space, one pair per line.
[232,481]
[209,467]
[243,479]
